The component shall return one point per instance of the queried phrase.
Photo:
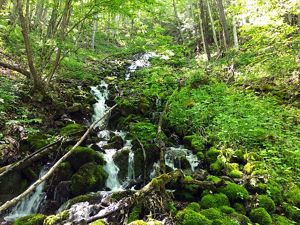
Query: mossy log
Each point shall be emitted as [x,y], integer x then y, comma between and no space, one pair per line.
[154,193]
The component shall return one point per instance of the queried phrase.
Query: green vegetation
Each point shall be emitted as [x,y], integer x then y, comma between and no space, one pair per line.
[260,216]
[35,219]
[235,192]
[214,200]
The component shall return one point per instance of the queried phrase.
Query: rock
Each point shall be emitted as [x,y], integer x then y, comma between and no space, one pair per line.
[90,177]
[116,142]
[34,219]
[121,160]
[48,207]
[200,174]
[83,155]
[71,129]
[62,192]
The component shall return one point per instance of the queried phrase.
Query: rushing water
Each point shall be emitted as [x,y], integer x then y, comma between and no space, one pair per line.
[31,203]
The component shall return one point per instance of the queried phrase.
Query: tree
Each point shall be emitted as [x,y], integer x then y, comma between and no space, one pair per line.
[223,22]
[203,25]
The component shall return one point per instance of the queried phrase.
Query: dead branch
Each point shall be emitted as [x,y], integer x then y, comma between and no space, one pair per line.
[16,68]
[15,200]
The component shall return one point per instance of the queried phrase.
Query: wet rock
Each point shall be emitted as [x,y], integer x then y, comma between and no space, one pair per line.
[200,174]
[116,142]
[121,160]
[48,207]
[62,192]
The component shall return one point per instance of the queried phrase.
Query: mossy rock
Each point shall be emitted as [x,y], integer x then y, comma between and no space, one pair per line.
[292,212]
[90,177]
[214,179]
[98,222]
[214,201]
[216,168]
[196,142]
[275,192]
[212,155]
[71,129]
[56,219]
[242,219]
[211,213]
[138,222]
[224,221]
[226,209]
[83,155]
[282,220]
[266,202]
[240,208]
[235,174]
[235,192]
[37,141]
[260,216]
[121,160]
[193,206]
[190,217]
[64,172]
[292,196]
[34,219]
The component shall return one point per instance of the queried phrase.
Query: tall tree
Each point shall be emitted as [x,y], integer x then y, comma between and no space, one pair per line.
[212,25]
[203,25]
[222,16]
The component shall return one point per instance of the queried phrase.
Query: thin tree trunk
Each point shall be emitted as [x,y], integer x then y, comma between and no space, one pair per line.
[95,20]
[15,200]
[212,25]
[235,34]
[178,21]
[37,81]
[222,16]
[203,30]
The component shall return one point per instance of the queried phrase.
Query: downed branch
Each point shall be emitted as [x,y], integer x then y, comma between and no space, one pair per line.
[26,73]
[15,200]
[154,192]
[29,159]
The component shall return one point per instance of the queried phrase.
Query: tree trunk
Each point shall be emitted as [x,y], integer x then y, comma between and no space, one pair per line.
[53,19]
[213,25]
[95,21]
[178,22]
[39,12]
[222,16]
[204,34]
[37,80]
[235,34]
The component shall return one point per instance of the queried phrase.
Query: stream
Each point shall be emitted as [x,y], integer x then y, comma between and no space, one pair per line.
[175,157]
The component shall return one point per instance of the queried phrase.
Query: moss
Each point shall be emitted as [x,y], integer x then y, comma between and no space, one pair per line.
[235,174]
[134,214]
[240,208]
[292,196]
[235,192]
[216,167]
[242,219]
[275,192]
[282,220]
[193,206]
[211,214]
[90,177]
[212,155]
[292,212]
[190,217]
[34,219]
[56,219]
[260,216]
[225,221]
[138,222]
[214,201]
[196,142]
[71,129]
[83,155]
[226,209]
[266,202]
[249,167]
[38,141]
[214,179]
[172,209]
[98,222]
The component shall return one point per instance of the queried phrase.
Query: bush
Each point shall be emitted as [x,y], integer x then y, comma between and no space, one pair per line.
[235,192]
[214,201]
[260,216]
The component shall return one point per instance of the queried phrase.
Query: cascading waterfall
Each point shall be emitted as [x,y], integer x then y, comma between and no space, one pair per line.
[31,203]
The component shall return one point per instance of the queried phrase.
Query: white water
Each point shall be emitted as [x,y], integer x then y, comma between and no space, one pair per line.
[176,154]
[31,203]
[142,62]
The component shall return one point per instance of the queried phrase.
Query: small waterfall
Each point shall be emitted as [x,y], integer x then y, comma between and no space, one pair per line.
[111,168]
[141,62]
[131,174]
[31,203]
[176,155]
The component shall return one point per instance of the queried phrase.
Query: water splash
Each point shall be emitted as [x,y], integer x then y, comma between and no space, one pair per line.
[31,203]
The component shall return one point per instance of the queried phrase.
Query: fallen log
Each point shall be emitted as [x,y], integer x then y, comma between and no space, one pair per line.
[15,200]
[29,159]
